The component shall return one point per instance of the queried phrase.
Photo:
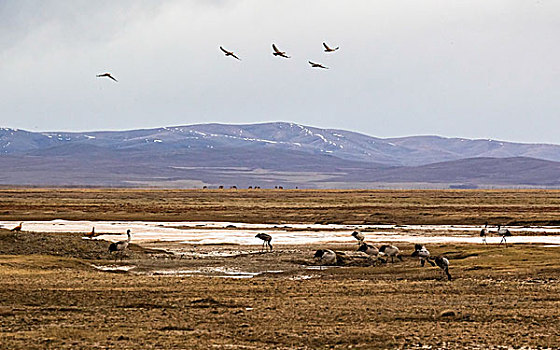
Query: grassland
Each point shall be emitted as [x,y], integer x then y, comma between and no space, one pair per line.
[271,206]
[51,297]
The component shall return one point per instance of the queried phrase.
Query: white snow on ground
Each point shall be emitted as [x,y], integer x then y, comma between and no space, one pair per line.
[244,234]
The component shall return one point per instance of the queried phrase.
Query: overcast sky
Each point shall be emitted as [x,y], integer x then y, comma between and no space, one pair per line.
[477,69]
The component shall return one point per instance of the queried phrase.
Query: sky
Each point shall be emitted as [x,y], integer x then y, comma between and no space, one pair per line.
[470,68]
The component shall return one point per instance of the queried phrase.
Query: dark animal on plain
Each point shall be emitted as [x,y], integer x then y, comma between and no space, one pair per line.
[106,75]
[278,52]
[17,228]
[120,246]
[229,53]
[221,187]
[266,240]
[328,49]
[390,250]
[423,254]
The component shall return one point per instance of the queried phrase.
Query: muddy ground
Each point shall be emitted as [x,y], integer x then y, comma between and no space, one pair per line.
[53,295]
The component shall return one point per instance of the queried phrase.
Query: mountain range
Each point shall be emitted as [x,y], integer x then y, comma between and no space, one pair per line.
[268,155]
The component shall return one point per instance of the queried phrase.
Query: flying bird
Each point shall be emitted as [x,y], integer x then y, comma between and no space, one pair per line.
[328,49]
[229,53]
[278,52]
[317,65]
[106,75]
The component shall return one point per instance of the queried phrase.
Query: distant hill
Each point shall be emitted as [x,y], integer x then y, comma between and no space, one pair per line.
[267,155]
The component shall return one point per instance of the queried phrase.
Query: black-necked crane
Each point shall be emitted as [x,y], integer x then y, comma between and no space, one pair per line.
[106,75]
[120,246]
[390,250]
[328,49]
[229,53]
[91,234]
[372,251]
[325,257]
[423,254]
[443,264]
[504,232]
[278,52]
[266,240]
[17,228]
[317,65]
[359,237]
[484,233]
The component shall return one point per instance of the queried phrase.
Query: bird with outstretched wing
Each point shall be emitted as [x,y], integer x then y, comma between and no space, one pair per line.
[278,52]
[317,65]
[328,49]
[229,53]
[106,75]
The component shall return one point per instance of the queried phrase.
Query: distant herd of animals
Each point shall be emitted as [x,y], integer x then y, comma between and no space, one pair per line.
[221,187]
[327,257]
[275,52]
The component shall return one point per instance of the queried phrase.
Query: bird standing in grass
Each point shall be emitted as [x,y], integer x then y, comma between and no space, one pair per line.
[17,228]
[390,250]
[443,264]
[484,233]
[423,254]
[372,251]
[359,237]
[266,240]
[325,257]
[91,234]
[120,247]
[504,232]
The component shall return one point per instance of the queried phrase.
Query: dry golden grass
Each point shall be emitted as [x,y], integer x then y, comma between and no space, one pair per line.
[305,206]
[499,297]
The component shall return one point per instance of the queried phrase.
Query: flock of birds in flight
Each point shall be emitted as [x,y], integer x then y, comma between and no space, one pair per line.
[275,52]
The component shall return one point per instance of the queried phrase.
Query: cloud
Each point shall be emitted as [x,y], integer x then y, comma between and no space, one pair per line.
[471,69]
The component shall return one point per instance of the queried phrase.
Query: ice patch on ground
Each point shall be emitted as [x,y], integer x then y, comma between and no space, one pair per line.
[285,234]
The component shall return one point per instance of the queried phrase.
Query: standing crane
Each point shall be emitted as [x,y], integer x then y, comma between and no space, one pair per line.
[17,228]
[120,246]
[266,240]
